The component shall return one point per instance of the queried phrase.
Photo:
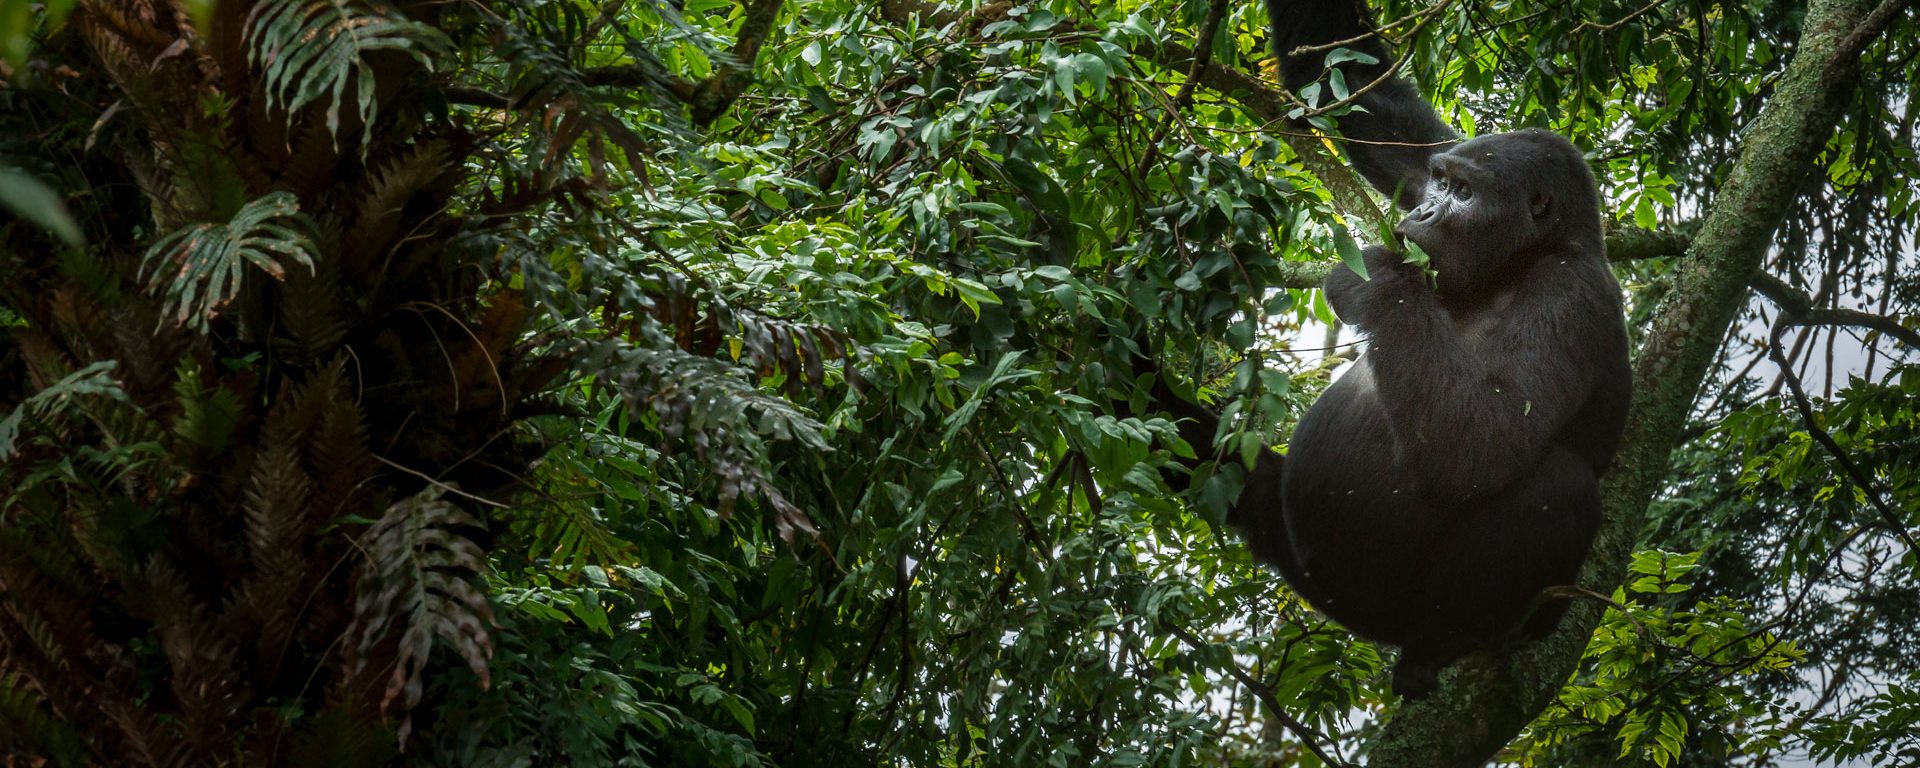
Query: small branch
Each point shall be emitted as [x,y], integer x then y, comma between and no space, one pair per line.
[1869,28]
[1271,105]
[437,483]
[1858,319]
[1381,32]
[1586,25]
[1892,519]
[1797,308]
[1201,57]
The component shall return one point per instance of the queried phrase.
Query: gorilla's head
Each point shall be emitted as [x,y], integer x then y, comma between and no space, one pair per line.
[1496,203]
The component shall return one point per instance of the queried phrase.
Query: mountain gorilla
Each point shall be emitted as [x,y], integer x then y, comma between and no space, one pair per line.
[1434,490]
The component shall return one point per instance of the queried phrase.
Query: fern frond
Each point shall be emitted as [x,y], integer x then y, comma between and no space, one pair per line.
[314,315]
[207,418]
[544,79]
[206,677]
[27,728]
[378,218]
[278,493]
[91,380]
[311,49]
[710,404]
[337,454]
[333,738]
[421,570]
[312,163]
[113,50]
[199,267]
[574,536]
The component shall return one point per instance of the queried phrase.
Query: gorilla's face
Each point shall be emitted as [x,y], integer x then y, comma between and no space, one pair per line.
[1495,203]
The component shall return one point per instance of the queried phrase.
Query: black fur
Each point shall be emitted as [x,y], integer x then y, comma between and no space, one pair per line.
[1432,493]
[1394,132]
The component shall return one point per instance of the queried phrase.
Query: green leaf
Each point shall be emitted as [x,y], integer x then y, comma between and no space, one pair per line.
[1343,55]
[199,267]
[1350,253]
[1416,255]
[91,380]
[973,294]
[310,50]
[26,197]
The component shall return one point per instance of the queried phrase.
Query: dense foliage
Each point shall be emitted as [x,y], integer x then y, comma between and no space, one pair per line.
[523,383]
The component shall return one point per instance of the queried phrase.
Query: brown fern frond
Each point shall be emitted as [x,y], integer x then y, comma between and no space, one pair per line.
[418,585]
[377,220]
[77,321]
[335,738]
[46,361]
[337,454]
[115,52]
[48,639]
[314,162]
[701,322]
[136,22]
[207,680]
[205,417]
[97,693]
[313,315]
[481,366]
[706,402]
[148,353]
[277,496]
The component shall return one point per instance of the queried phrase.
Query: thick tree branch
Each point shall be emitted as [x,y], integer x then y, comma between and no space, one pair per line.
[1490,697]
[1796,308]
[1270,104]
[712,96]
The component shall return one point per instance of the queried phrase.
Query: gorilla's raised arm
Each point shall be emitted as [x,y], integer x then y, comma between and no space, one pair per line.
[1391,140]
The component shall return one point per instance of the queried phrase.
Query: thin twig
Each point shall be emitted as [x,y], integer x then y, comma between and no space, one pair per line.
[1307,735]
[1202,56]
[1860,479]
[437,483]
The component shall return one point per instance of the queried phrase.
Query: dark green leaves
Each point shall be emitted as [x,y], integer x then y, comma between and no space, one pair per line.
[201,267]
[30,199]
[311,50]
[421,579]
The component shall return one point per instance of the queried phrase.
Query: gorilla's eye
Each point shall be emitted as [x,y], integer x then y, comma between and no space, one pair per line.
[1462,191]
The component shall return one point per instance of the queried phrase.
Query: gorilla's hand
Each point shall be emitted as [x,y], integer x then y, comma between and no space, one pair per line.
[1392,282]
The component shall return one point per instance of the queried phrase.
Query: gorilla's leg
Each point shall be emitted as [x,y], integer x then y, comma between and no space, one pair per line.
[1260,514]
[1493,561]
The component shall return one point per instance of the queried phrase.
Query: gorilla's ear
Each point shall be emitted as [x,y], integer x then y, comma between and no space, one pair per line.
[1541,203]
